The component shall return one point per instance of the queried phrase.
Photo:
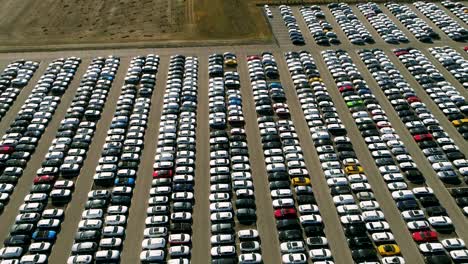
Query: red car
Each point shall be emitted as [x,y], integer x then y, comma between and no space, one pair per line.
[6,149]
[162,174]
[285,213]
[466,48]
[401,52]
[424,236]
[423,137]
[345,88]
[413,99]
[253,57]
[44,179]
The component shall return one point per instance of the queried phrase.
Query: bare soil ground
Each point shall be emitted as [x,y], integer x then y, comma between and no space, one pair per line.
[32,24]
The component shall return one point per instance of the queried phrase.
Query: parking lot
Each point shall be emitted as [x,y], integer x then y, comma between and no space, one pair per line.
[348,152]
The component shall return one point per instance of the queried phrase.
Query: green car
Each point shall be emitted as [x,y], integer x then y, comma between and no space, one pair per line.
[354,103]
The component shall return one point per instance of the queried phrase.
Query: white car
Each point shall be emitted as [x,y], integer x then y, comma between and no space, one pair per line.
[221,216]
[250,258]
[221,251]
[80,259]
[10,252]
[320,254]
[440,221]
[383,237]
[431,248]
[377,226]
[179,251]
[418,225]
[308,209]
[247,234]
[283,203]
[402,195]
[343,199]
[393,260]
[149,256]
[369,205]
[153,243]
[221,207]
[459,255]
[412,215]
[295,258]
[292,247]
[453,243]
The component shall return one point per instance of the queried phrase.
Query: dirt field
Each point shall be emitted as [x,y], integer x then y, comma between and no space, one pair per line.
[32,24]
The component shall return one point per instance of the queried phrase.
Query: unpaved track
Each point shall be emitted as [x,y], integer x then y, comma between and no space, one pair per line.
[201,211]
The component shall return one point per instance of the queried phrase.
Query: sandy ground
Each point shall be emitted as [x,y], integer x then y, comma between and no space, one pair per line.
[55,24]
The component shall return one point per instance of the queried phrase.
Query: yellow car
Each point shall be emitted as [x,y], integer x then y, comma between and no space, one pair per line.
[230,62]
[315,79]
[460,122]
[389,250]
[300,181]
[353,169]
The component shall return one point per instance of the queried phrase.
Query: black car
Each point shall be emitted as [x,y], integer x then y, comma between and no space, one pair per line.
[359,242]
[364,254]
[355,230]
[89,235]
[245,203]
[289,235]
[436,211]
[440,258]
[246,216]
[17,241]
[222,228]
[279,185]
[286,224]
[22,229]
[180,228]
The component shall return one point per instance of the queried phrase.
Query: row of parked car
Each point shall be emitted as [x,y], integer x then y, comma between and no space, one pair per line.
[232,199]
[453,62]
[447,24]
[168,225]
[290,22]
[21,138]
[319,28]
[67,150]
[13,79]
[101,231]
[368,234]
[417,26]
[389,32]
[395,163]
[353,28]
[36,227]
[457,8]
[413,114]
[298,220]
[447,97]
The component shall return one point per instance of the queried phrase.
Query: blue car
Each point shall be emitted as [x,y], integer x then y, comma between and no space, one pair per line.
[44,235]
[124,182]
